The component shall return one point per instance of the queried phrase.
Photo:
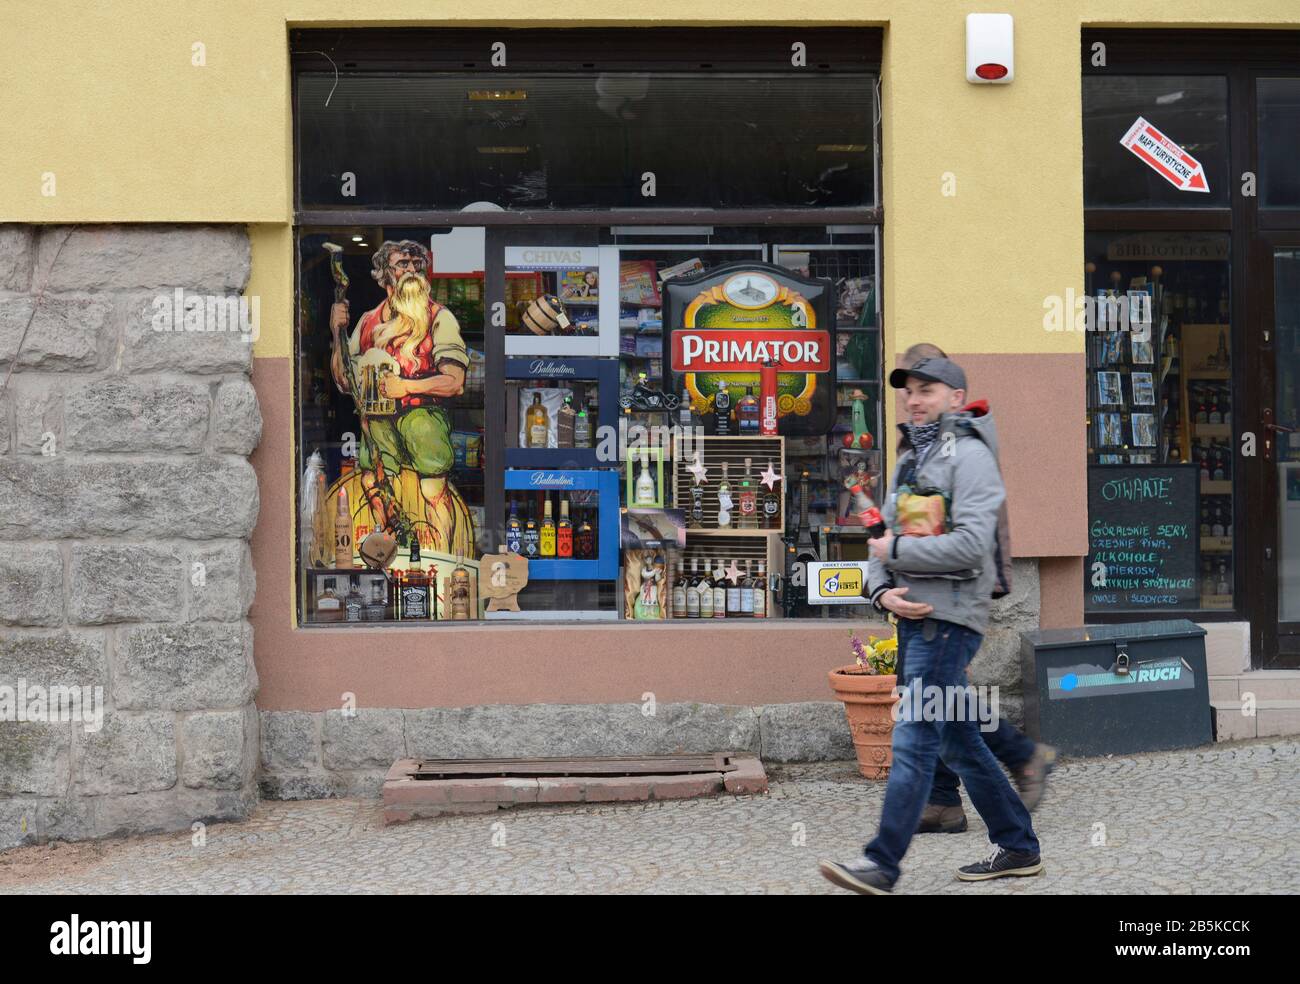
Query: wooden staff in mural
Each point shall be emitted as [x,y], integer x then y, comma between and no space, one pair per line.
[402,363]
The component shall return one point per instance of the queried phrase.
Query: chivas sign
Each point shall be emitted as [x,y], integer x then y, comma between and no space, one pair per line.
[725,324]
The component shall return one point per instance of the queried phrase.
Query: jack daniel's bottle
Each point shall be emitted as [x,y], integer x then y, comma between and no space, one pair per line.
[417,589]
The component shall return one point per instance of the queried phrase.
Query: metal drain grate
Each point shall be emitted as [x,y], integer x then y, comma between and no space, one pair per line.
[531,768]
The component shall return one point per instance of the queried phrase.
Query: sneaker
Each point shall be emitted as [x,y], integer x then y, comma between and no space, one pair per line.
[942,820]
[1031,778]
[1002,863]
[861,875]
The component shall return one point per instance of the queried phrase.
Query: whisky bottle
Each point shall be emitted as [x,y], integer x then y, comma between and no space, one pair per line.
[565,424]
[343,532]
[582,429]
[353,603]
[705,588]
[539,424]
[459,591]
[547,539]
[722,410]
[532,536]
[748,499]
[719,591]
[679,592]
[747,594]
[587,548]
[760,592]
[416,594]
[564,533]
[329,607]
[747,411]
[377,606]
[514,529]
[693,590]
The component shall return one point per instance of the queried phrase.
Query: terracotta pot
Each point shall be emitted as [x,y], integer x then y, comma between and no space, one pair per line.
[868,703]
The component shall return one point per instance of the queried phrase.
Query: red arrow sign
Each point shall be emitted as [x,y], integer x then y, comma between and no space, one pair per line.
[1165,157]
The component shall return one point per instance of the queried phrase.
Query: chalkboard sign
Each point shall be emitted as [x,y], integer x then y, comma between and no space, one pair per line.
[1143,539]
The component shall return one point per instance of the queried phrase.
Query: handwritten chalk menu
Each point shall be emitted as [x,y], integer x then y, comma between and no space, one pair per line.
[1143,539]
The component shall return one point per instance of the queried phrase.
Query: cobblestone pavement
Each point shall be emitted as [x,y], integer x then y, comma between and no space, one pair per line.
[1223,819]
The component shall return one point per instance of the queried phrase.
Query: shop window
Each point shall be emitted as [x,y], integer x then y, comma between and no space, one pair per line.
[1161,422]
[585,140]
[1279,143]
[1190,113]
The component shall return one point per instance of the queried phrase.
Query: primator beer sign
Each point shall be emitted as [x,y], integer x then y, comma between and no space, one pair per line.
[725,324]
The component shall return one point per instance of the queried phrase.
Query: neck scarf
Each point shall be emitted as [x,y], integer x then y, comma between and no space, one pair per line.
[921,437]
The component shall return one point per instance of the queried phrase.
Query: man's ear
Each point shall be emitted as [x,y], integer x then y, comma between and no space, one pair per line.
[958,399]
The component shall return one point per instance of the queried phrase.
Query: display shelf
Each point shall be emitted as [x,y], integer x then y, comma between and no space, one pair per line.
[1209,487]
[1216,544]
[714,453]
[564,458]
[1217,602]
[605,566]
[1212,430]
[731,531]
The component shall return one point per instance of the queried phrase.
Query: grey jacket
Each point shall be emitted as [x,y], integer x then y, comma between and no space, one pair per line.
[955,571]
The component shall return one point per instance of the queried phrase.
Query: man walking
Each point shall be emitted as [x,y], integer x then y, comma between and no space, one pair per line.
[1028,761]
[940,587]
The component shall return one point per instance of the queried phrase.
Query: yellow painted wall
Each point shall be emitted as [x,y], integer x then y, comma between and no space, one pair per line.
[105,97]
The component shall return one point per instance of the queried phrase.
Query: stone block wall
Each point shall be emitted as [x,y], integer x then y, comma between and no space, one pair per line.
[129,503]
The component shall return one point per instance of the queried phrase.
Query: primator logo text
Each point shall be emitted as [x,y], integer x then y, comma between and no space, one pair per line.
[75,938]
[737,351]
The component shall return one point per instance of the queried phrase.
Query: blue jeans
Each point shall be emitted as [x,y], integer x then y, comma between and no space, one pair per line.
[1008,744]
[941,662]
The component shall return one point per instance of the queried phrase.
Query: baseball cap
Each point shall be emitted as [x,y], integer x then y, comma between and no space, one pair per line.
[934,369]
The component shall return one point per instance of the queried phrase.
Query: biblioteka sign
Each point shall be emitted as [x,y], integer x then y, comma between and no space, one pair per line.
[1165,157]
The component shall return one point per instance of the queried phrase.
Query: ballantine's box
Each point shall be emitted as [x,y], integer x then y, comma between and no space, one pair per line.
[723,325]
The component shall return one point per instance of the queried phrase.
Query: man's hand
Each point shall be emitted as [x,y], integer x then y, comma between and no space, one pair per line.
[338,323]
[882,545]
[339,319]
[894,601]
[394,387]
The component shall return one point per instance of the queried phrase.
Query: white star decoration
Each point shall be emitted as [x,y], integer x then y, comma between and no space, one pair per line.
[698,470]
[732,573]
[770,477]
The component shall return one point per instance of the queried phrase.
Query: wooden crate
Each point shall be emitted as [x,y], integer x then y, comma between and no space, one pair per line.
[766,548]
[732,451]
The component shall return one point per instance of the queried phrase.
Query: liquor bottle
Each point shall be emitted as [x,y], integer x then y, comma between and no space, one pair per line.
[395,576]
[329,607]
[1227,517]
[532,536]
[514,528]
[719,591]
[734,604]
[1217,528]
[767,403]
[1215,415]
[459,591]
[1205,519]
[747,411]
[724,500]
[343,532]
[547,539]
[771,506]
[1203,459]
[417,593]
[747,594]
[1202,411]
[1225,404]
[1221,586]
[748,499]
[539,424]
[582,429]
[377,606]
[564,533]
[705,587]
[1221,356]
[587,546]
[1219,471]
[867,512]
[679,592]
[693,590]
[353,602]
[722,410]
[644,494]
[760,592]
[685,417]
[565,424]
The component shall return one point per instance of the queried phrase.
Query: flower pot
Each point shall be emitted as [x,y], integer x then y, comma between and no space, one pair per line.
[868,703]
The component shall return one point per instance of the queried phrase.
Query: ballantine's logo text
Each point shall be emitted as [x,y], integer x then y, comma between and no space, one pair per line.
[738,351]
[540,367]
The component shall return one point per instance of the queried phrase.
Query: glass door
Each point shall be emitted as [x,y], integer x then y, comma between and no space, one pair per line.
[1279,565]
